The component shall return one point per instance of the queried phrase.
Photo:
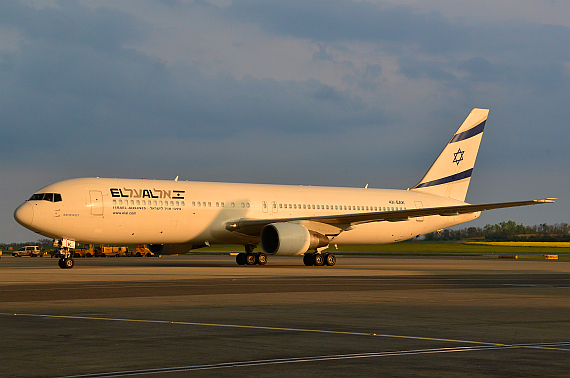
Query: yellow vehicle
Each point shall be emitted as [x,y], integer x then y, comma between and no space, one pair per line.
[141,251]
[90,250]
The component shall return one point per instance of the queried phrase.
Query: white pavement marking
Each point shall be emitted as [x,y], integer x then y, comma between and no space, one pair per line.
[275,361]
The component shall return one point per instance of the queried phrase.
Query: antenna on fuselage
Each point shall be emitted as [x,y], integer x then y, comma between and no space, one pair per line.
[176,179]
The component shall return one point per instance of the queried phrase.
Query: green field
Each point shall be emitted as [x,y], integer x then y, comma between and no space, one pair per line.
[422,248]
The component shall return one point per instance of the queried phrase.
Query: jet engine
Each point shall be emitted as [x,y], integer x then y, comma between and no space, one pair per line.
[290,239]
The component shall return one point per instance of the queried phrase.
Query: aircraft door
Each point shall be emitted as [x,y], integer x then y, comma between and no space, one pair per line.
[419,205]
[96,202]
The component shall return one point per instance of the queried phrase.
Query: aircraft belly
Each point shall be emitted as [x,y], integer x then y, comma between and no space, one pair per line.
[390,232]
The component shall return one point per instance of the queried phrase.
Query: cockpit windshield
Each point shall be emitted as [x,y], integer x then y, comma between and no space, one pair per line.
[51,197]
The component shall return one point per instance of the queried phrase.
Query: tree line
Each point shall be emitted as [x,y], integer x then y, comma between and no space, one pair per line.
[506,231]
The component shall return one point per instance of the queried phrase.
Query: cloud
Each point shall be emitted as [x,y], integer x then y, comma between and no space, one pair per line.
[102,28]
[343,20]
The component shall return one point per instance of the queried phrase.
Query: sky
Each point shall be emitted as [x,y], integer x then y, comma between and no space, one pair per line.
[325,92]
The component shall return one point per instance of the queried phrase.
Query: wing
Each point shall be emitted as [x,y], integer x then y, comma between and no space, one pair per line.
[341,222]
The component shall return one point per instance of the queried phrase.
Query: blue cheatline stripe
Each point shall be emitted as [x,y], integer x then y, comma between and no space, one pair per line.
[469,133]
[447,180]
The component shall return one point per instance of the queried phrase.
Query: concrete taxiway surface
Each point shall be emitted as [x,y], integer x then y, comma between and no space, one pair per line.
[201,316]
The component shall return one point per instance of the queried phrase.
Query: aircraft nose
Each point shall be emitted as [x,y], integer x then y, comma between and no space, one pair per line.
[24,214]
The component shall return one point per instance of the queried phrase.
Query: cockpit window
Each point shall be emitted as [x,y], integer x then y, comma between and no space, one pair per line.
[51,197]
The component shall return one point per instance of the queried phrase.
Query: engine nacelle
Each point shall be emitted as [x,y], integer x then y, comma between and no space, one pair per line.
[172,249]
[290,239]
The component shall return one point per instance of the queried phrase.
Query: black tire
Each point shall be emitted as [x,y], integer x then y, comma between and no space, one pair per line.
[261,259]
[309,259]
[240,258]
[68,263]
[60,263]
[250,259]
[138,254]
[330,259]
[319,259]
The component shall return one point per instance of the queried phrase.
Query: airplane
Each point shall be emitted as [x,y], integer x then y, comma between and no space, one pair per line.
[173,217]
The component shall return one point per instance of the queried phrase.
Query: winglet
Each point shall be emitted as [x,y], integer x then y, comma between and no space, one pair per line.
[546,200]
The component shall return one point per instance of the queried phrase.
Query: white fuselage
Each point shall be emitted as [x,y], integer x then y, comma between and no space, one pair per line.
[113,211]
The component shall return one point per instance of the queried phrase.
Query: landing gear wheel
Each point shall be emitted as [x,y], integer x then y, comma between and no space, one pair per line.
[240,258]
[330,259]
[309,259]
[319,259]
[261,258]
[66,263]
[250,259]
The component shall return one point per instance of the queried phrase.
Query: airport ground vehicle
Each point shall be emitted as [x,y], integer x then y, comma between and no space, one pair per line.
[90,250]
[29,250]
[141,251]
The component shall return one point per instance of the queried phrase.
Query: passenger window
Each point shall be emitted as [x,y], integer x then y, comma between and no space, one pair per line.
[177,203]
[114,202]
[222,204]
[138,202]
[247,204]
[280,205]
[204,204]
[217,204]
[233,204]
[183,204]
[193,203]
[199,204]
[243,205]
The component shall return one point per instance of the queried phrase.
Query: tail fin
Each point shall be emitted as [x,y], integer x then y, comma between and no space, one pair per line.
[450,175]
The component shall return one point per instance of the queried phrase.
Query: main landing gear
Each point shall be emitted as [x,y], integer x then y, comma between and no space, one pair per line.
[319,259]
[251,258]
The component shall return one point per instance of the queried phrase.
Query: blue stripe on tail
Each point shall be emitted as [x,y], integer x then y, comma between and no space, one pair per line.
[448,179]
[469,133]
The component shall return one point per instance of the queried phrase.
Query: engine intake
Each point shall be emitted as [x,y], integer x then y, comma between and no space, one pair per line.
[290,239]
